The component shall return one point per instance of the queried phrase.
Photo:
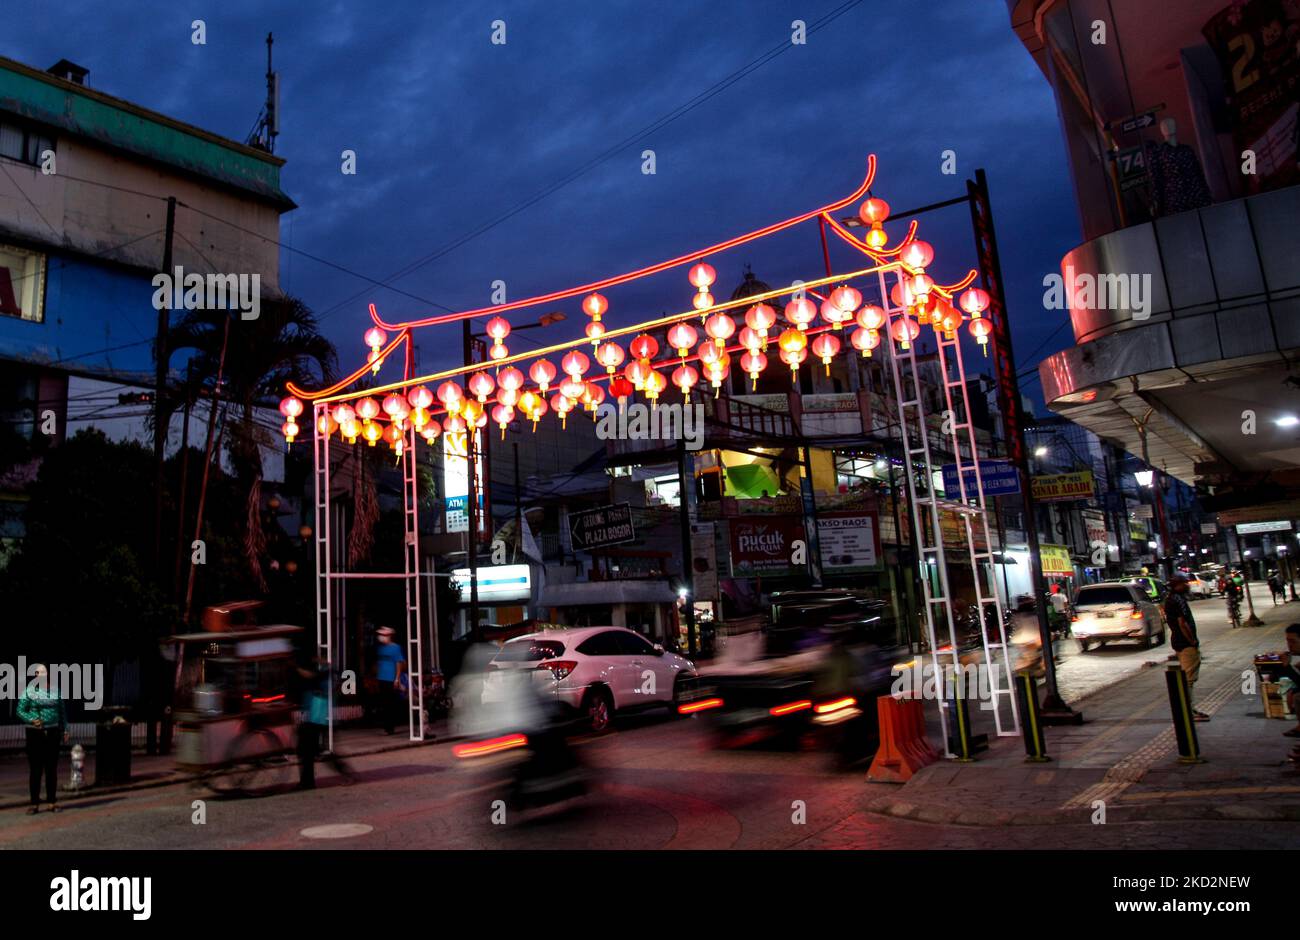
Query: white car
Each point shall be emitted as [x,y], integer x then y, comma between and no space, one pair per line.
[1116,611]
[1200,587]
[598,671]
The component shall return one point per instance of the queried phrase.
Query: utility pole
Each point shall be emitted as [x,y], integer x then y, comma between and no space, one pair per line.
[684,480]
[1054,709]
[161,357]
[471,457]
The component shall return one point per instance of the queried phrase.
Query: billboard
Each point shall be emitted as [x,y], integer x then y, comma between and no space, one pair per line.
[765,546]
[1060,487]
[849,541]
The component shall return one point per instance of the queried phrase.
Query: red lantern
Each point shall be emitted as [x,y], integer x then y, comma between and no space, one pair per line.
[498,328]
[980,329]
[753,362]
[719,369]
[682,336]
[343,414]
[702,301]
[575,363]
[325,424]
[510,378]
[376,338]
[542,372]
[455,424]
[561,405]
[595,330]
[636,372]
[290,407]
[573,388]
[917,254]
[872,317]
[825,347]
[420,397]
[654,384]
[792,358]
[621,388]
[835,315]
[594,305]
[396,407]
[503,415]
[947,318]
[508,396]
[865,340]
[904,331]
[846,298]
[643,347]
[610,356]
[974,301]
[396,437]
[760,318]
[702,275]
[901,294]
[801,312]
[290,430]
[498,352]
[452,396]
[720,327]
[686,378]
[874,211]
[709,353]
[481,385]
[750,340]
[430,431]
[367,409]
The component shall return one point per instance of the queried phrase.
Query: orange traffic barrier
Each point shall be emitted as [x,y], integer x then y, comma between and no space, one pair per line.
[904,748]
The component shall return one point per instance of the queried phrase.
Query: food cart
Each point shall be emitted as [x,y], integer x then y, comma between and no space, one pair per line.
[234,716]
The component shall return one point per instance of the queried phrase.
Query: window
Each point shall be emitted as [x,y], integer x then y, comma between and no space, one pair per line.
[1106,594]
[529,651]
[22,283]
[602,644]
[631,644]
[21,143]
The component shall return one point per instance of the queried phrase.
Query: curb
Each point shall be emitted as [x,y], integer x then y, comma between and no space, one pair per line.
[69,796]
[1127,813]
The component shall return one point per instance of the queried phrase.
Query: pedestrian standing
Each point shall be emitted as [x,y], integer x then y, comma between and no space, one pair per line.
[41,709]
[1183,637]
[391,665]
[1275,586]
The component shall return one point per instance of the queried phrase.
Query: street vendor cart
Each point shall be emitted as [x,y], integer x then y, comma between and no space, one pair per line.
[233,712]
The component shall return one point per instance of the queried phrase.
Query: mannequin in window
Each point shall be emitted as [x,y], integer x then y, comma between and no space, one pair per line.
[1177,181]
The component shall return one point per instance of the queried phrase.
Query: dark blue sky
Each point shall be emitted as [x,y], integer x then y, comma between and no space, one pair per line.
[451,131]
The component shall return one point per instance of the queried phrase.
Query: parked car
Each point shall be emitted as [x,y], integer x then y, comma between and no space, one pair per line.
[598,671]
[1199,587]
[1116,611]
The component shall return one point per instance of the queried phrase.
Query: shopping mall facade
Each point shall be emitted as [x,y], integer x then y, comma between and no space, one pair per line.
[1179,121]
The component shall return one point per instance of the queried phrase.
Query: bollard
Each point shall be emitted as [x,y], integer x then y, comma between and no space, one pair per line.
[959,736]
[1180,704]
[1031,719]
[78,766]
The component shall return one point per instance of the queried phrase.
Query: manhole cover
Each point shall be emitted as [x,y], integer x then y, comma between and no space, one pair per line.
[336,831]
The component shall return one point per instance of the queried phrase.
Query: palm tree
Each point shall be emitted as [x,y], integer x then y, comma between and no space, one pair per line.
[282,345]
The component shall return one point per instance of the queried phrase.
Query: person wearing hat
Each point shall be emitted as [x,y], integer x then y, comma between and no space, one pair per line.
[391,665]
[41,710]
[1182,635]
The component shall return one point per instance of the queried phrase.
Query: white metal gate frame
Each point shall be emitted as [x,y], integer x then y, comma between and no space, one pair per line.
[913,427]
[327,577]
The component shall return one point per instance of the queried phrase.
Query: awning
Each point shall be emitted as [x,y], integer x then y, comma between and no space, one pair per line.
[586,593]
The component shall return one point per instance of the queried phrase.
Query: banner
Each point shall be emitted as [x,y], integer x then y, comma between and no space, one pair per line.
[1055,559]
[998,476]
[849,541]
[1060,487]
[766,546]
[597,528]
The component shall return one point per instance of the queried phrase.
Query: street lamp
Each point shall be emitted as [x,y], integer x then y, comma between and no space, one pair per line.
[1040,451]
[1143,477]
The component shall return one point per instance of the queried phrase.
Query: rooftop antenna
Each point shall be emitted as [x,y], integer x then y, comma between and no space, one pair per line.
[267,127]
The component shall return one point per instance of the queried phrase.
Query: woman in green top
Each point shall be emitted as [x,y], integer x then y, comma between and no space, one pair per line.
[41,710]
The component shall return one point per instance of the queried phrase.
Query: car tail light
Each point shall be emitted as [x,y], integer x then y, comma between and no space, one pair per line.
[790,708]
[559,667]
[703,704]
[1136,615]
[490,746]
[1074,618]
[838,704]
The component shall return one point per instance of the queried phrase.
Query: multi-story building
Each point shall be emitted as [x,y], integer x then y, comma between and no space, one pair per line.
[85,180]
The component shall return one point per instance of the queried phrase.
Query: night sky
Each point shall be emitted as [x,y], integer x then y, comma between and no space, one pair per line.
[452,132]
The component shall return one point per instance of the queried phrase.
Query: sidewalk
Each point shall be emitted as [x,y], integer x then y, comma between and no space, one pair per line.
[1124,755]
[148,771]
